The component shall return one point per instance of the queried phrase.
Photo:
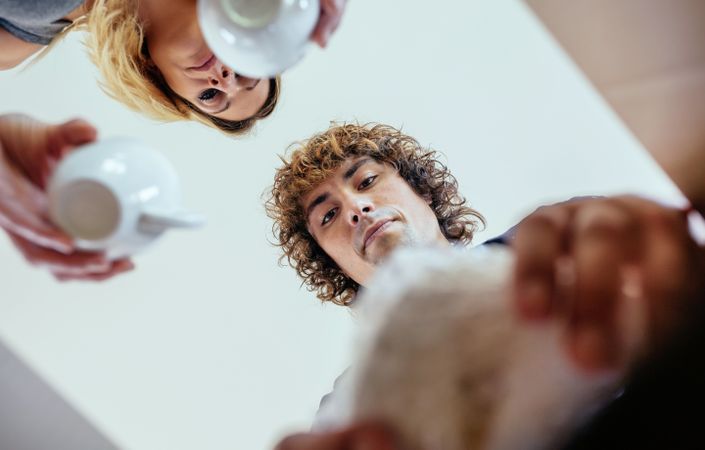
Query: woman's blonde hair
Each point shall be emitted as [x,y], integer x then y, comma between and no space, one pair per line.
[116,44]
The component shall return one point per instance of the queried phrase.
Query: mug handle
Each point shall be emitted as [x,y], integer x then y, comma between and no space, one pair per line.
[157,220]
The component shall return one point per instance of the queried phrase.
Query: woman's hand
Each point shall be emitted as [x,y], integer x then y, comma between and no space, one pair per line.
[328,21]
[580,260]
[29,150]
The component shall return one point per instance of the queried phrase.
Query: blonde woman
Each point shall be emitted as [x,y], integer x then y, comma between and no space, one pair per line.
[153,59]
[152,56]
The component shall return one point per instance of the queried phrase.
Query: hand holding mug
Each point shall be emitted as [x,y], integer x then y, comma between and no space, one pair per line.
[117,196]
[29,151]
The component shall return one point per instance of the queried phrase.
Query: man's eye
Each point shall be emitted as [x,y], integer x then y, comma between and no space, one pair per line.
[367,182]
[208,94]
[329,216]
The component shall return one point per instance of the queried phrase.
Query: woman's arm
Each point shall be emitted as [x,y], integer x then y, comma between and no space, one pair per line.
[14,51]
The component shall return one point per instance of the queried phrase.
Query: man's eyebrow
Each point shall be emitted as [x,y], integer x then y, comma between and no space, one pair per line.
[351,171]
[346,176]
[317,201]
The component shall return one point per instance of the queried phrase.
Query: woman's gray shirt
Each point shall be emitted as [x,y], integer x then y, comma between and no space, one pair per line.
[36,21]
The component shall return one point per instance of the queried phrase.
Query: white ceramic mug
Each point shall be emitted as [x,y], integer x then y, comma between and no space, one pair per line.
[117,195]
[258,38]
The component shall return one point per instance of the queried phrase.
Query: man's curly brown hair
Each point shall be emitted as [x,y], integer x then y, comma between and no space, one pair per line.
[313,161]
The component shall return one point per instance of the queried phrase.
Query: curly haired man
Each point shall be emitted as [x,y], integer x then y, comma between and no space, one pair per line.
[351,194]
[348,196]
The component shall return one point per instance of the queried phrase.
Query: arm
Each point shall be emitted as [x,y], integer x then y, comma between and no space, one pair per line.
[603,237]
[14,51]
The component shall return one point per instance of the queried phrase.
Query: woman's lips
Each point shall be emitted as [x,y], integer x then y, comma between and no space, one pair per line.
[206,65]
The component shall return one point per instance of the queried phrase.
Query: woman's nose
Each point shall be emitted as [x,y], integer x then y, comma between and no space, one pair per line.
[221,77]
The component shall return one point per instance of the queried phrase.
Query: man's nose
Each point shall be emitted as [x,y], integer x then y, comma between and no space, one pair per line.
[358,211]
[221,76]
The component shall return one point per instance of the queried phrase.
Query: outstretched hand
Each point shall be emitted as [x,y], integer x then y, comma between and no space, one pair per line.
[579,260]
[29,151]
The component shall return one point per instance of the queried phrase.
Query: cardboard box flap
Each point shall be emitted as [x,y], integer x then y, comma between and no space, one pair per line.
[647,59]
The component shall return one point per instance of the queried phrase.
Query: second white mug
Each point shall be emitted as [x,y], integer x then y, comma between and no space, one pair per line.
[117,195]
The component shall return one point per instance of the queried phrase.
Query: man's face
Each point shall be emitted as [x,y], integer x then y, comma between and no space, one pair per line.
[363,211]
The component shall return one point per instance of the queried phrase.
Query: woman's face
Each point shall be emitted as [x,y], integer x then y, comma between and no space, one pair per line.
[177,48]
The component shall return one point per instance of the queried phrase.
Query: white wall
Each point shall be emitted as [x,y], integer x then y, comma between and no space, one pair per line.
[209,344]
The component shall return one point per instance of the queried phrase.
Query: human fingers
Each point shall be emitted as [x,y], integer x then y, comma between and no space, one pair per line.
[539,243]
[328,21]
[76,263]
[673,268]
[20,221]
[116,268]
[24,146]
[357,437]
[33,147]
[70,134]
[606,236]
[61,139]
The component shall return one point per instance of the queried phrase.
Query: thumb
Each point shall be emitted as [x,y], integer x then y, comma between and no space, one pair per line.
[71,134]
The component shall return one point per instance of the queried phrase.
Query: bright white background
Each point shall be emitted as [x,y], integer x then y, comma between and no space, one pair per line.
[209,344]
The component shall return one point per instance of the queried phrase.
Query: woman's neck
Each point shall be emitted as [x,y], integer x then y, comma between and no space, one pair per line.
[82,10]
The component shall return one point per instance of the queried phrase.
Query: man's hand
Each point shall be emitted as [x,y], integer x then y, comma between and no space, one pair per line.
[328,21]
[356,437]
[29,150]
[579,260]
